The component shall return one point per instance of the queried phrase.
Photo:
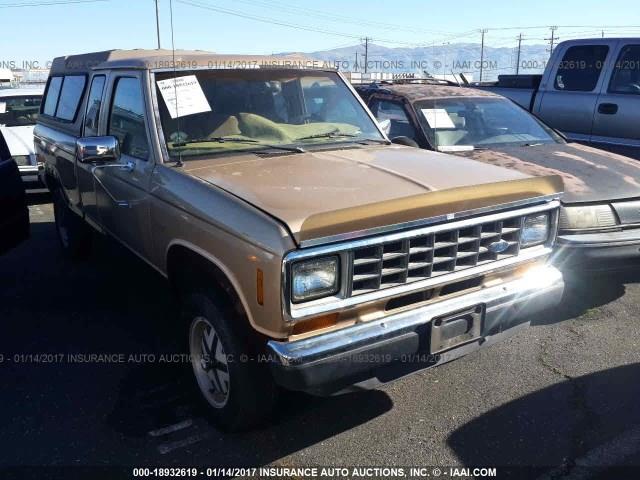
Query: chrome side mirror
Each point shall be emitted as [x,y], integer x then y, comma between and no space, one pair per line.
[385,126]
[98,149]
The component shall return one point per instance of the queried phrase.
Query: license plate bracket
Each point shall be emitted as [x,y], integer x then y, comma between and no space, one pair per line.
[456,328]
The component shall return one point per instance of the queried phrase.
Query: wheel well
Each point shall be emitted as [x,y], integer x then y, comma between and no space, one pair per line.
[188,270]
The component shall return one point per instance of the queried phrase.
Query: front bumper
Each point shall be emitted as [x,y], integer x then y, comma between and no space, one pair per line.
[367,354]
[31,176]
[597,250]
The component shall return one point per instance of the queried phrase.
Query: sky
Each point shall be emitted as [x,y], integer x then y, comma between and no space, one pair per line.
[41,32]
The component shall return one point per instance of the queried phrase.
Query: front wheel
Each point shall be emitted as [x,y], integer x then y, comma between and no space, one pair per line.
[74,235]
[238,390]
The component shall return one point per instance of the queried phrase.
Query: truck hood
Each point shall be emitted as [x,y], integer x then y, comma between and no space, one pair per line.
[324,193]
[19,139]
[589,174]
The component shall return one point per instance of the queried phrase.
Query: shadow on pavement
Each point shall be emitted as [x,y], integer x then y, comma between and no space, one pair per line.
[38,198]
[115,304]
[556,425]
[587,290]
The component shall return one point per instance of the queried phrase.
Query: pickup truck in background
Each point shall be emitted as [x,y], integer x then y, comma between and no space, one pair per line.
[589,91]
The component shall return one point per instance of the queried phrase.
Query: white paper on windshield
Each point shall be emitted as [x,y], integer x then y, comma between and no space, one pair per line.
[183,96]
[3,107]
[438,118]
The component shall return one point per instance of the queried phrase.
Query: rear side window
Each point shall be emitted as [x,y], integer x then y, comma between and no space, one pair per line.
[626,75]
[53,93]
[72,89]
[580,68]
[126,120]
[63,97]
[94,102]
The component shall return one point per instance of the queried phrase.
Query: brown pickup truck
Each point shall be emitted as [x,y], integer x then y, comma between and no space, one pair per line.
[307,250]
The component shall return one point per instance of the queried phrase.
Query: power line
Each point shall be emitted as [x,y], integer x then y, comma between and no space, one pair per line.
[44,4]
[273,21]
[333,17]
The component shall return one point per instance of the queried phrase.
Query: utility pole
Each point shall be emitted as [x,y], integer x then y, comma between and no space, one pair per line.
[552,40]
[158,24]
[519,49]
[366,51]
[482,31]
[355,69]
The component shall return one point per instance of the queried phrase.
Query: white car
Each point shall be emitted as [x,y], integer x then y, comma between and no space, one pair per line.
[19,108]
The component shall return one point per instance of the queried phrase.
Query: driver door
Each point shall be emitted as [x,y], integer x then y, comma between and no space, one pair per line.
[615,122]
[122,194]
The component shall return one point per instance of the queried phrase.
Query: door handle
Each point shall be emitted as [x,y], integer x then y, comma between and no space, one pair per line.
[608,108]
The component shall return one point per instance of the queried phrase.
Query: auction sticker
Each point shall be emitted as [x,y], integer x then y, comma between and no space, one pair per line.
[438,118]
[183,96]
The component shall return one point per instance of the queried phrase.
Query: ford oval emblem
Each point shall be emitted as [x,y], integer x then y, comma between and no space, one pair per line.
[498,247]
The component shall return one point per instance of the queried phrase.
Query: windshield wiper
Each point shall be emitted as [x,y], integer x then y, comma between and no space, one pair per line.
[184,143]
[238,140]
[531,144]
[333,134]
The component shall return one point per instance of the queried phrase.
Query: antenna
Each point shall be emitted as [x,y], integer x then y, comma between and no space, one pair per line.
[179,162]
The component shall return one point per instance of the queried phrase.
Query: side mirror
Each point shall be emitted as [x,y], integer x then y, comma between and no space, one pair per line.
[385,126]
[97,149]
[409,142]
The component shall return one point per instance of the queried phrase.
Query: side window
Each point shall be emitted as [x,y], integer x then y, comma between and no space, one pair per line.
[126,119]
[94,101]
[626,75]
[70,96]
[53,93]
[401,125]
[580,68]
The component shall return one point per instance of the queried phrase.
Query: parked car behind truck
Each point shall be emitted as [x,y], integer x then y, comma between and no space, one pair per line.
[590,91]
[19,109]
[600,218]
[306,250]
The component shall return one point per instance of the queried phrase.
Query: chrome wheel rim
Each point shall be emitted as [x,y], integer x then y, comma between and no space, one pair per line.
[209,362]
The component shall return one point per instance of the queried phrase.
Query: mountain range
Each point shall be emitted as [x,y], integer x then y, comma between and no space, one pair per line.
[435,60]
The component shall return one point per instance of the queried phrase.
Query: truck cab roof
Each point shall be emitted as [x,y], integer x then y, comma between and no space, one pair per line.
[160,59]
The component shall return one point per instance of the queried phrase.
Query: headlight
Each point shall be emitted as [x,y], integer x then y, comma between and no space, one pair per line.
[535,230]
[591,216]
[315,278]
[22,160]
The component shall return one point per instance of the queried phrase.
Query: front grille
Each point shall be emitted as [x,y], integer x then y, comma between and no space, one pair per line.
[419,257]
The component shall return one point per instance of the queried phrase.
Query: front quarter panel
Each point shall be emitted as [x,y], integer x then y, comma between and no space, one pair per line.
[238,238]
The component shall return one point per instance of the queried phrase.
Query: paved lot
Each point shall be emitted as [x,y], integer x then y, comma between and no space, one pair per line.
[565,391]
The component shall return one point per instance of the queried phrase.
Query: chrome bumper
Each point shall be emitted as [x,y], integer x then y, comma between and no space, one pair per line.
[597,250]
[313,363]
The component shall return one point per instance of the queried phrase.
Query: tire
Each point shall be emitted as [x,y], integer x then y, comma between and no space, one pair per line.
[74,235]
[239,394]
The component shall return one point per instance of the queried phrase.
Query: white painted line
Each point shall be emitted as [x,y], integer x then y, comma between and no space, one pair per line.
[171,428]
[608,454]
[169,447]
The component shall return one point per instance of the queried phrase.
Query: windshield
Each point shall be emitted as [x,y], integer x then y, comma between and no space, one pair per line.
[19,111]
[234,110]
[466,123]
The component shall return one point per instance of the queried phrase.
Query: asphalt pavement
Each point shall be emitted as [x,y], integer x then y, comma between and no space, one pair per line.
[562,396]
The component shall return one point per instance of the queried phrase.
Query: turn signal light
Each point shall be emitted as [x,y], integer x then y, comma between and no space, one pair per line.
[315,324]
